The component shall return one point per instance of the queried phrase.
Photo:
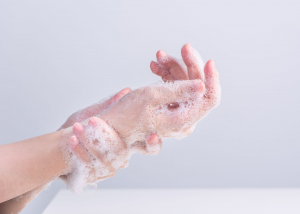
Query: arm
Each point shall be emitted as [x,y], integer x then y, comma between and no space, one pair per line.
[15,205]
[18,203]
[30,163]
[210,100]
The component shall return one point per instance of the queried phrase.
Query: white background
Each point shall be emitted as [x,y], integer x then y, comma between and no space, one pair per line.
[58,56]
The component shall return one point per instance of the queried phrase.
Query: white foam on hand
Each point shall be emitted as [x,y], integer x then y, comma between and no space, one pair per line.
[167,109]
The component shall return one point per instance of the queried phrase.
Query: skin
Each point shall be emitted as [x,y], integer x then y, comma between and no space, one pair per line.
[170,69]
[16,204]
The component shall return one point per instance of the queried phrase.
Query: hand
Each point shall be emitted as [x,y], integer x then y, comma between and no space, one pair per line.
[93,110]
[171,69]
[98,152]
[170,109]
[190,67]
[100,148]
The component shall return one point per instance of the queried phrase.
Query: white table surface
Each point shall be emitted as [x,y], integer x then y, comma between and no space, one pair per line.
[173,201]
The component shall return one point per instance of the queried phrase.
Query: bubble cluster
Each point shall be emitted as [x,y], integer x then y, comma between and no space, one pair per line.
[167,109]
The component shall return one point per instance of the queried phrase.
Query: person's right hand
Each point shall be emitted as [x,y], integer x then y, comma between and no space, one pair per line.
[173,70]
[165,109]
[169,68]
[190,67]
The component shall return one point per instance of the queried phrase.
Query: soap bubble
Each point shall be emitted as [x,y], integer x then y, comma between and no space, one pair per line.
[90,188]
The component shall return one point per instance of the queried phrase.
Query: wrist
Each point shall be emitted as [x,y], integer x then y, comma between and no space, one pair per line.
[66,153]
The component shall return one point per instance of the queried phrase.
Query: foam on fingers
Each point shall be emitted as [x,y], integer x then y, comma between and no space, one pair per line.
[193,61]
[157,69]
[160,70]
[78,128]
[212,84]
[79,150]
[137,122]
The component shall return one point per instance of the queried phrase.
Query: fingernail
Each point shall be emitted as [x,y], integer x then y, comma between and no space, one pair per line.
[162,53]
[73,142]
[93,121]
[77,128]
[152,139]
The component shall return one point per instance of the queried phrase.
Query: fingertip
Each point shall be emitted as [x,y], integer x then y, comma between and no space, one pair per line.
[124,91]
[210,62]
[125,164]
[93,121]
[77,128]
[118,96]
[79,150]
[209,68]
[213,63]
[162,57]
[74,142]
[153,139]
[187,57]
[185,49]
[154,144]
[186,46]
[154,67]
[160,54]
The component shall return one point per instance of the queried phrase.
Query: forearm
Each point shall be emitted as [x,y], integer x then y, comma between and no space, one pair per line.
[30,163]
[15,205]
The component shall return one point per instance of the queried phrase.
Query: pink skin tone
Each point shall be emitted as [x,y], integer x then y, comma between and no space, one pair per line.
[93,110]
[15,205]
[169,69]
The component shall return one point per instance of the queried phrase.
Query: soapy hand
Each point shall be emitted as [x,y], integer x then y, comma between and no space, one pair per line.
[187,101]
[139,120]
[190,67]
[94,109]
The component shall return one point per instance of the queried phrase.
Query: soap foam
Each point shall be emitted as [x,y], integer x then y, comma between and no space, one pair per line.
[135,117]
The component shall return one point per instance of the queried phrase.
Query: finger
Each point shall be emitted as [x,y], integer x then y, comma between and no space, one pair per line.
[94,121]
[88,139]
[193,61]
[108,176]
[174,66]
[77,129]
[212,84]
[151,146]
[153,139]
[154,144]
[116,97]
[125,164]
[158,69]
[114,140]
[79,150]
[161,71]
[114,143]
[97,108]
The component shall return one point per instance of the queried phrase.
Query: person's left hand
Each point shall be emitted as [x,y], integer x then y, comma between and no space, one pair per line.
[93,110]
[170,69]
[190,67]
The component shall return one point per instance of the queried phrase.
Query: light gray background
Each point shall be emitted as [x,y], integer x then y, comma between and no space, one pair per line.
[60,56]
